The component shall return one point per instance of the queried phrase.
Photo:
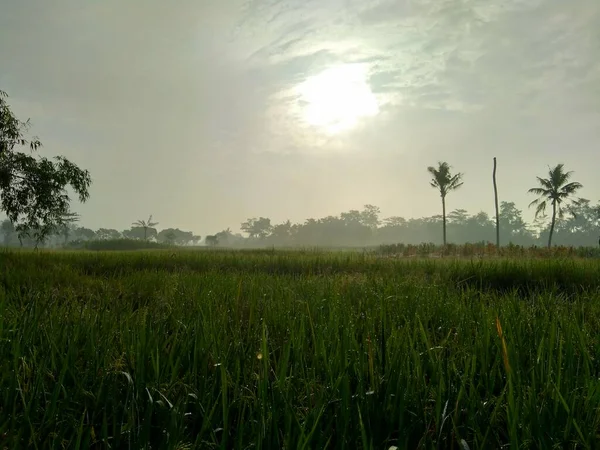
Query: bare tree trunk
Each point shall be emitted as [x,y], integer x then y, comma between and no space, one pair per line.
[444,219]
[496,202]
[552,224]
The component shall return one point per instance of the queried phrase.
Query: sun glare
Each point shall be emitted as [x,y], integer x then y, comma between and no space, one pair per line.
[337,98]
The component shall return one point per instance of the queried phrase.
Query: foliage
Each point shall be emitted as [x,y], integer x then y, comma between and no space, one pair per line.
[175,236]
[33,191]
[108,234]
[206,349]
[212,240]
[557,191]
[141,233]
[145,225]
[443,180]
[257,228]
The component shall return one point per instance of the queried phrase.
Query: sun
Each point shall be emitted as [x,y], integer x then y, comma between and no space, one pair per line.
[336,99]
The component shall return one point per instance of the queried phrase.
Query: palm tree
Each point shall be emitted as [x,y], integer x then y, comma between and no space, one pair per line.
[557,190]
[445,182]
[145,224]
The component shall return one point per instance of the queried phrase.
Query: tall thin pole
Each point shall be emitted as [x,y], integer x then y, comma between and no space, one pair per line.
[496,202]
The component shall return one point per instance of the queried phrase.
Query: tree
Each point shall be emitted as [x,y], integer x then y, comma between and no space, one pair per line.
[394,221]
[107,234]
[84,233]
[257,228]
[8,231]
[443,180]
[212,241]
[556,190]
[513,227]
[139,233]
[282,233]
[369,216]
[67,226]
[145,225]
[33,191]
[175,236]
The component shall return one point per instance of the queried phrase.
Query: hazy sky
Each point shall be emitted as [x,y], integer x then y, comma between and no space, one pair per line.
[207,112]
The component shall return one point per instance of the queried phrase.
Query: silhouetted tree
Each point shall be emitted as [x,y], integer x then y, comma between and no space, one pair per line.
[33,191]
[8,231]
[443,180]
[257,228]
[145,225]
[556,190]
[175,236]
[107,234]
[212,241]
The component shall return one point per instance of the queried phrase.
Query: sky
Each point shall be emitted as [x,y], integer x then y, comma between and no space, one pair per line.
[205,113]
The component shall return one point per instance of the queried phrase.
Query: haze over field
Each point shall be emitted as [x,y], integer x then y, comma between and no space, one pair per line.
[213,111]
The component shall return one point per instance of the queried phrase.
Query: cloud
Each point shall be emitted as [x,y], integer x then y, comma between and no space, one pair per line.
[474,57]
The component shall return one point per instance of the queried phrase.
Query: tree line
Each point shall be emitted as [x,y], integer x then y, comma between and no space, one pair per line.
[71,235]
[360,228]
[34,195]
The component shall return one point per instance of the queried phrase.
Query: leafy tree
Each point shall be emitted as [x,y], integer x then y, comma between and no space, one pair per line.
[394,221]
[175,236]
[580,228]
[282,233]
[512,226]
[168,237]
[257,228]
[212,241]
[369,216]
[443,180]
[33,191]
[8,231]
[458,216]
[84,233]
[140,233]
[145,225]
[558,191]
[67,226]
[223,237]
[108,234]
[353,216]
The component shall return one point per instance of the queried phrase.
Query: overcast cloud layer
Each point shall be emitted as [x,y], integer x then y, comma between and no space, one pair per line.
[189,112]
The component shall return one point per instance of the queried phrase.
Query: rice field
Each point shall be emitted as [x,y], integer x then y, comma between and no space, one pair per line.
[297,350]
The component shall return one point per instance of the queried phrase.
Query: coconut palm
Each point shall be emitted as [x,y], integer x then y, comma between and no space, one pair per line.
[557,190]
[443,180]
[145,224]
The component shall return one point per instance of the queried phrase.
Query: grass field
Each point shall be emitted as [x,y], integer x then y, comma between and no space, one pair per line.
[297,350]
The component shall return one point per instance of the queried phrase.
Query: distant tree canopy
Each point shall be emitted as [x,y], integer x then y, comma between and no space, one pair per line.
[355,228]
[139,232]
[33,190]
[175,236]
[443,180]
[557,192]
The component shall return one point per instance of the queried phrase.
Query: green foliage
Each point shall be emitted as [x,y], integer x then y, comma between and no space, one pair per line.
[147,226]
[557,191]
[443,180]
[33,190]
[264,349]
[175,236]
[257,228]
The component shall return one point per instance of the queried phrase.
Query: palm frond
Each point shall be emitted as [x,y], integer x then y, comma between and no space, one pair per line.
[539,191]
[571,187]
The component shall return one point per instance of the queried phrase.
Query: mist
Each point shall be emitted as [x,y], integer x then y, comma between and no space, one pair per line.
[212,113]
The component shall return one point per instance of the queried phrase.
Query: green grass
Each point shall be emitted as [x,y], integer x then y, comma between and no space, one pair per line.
[296,350]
